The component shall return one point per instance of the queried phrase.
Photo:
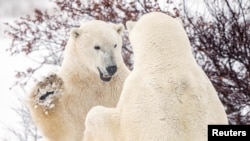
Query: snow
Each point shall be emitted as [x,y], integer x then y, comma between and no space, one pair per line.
[8,99]
[49,89]
[245,110]
[11,99]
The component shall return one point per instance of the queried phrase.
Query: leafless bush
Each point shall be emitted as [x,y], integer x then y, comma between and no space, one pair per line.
[24,130]
[222,47]
[48,33]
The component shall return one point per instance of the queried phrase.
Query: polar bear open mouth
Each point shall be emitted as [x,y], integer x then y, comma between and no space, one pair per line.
[104,77]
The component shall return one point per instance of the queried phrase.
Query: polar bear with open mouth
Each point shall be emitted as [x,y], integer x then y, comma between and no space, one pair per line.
[92,73]
[167,97]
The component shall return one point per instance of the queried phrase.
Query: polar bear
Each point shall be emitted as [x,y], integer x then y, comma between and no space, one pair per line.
[92,73]
[167,97]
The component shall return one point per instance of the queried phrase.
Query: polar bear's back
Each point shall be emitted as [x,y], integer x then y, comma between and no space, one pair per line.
[167,95]
[182,109]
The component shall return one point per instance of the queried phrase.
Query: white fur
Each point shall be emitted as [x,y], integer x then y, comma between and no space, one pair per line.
[167,97]
[82,86]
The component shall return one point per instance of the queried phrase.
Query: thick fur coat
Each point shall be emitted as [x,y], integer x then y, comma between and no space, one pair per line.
[167,97]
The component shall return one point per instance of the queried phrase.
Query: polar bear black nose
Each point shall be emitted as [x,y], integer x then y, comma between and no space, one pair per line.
[111,70]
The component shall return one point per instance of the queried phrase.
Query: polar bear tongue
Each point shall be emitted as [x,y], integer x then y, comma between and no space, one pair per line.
[104,77]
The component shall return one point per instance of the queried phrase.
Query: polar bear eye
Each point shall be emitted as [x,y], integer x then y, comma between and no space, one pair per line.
[115,45]
[97,47]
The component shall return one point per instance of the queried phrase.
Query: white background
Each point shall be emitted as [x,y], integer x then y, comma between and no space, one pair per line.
[9,11]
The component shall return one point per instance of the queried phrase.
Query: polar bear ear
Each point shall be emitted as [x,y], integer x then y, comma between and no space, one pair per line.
[179,20]
[118,28]
[75,32]
[130,25]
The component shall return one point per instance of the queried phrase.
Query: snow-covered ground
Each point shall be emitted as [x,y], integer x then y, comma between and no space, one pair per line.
[9,11]
[7,97]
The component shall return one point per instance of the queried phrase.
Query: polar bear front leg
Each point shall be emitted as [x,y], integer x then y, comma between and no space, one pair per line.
[47,109]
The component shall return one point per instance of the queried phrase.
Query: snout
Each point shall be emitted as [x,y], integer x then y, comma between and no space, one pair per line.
[111,70]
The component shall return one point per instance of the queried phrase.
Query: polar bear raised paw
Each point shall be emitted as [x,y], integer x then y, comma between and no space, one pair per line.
[48,91]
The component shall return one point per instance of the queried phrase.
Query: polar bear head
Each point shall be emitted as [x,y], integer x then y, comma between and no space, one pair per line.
[97,46]
[158,36]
